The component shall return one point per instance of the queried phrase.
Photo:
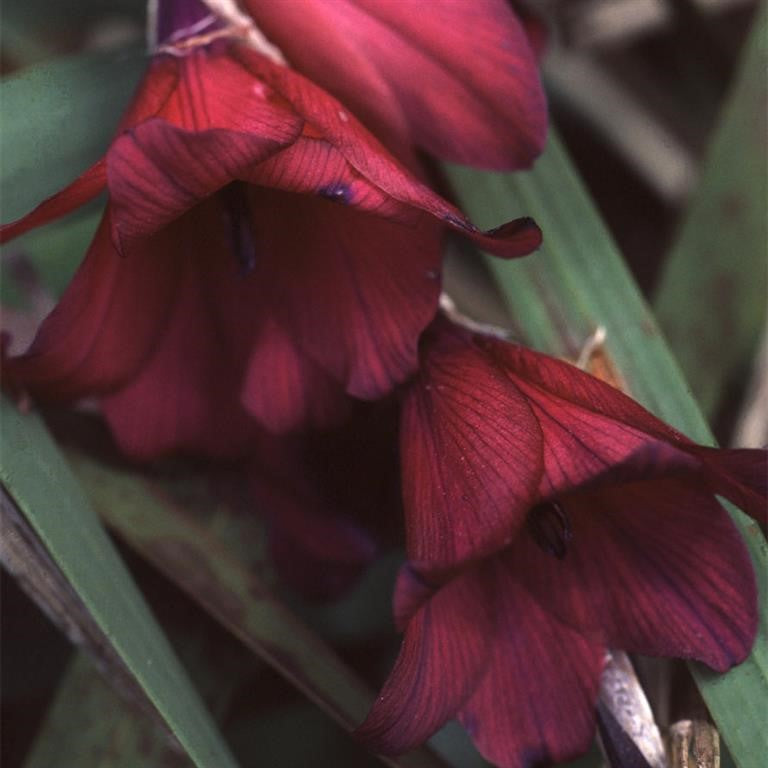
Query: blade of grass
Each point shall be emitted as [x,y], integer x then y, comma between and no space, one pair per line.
[229,589]
[42,486]
[557,298]
[718,260]
[57,119]
[116,735]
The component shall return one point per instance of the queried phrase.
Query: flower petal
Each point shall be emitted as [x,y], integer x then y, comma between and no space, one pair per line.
[285,390]
[588,426]
[97,337]
[535,704]
[217,126]
[443,655]
[186,396]
[395,65]
[79,192]
[353,291]
[337,157]
[740,474]
[471,455]
[652,567]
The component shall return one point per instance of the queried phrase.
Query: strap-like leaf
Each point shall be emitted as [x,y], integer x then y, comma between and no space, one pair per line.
[558,297]
[41,484]
[710,300]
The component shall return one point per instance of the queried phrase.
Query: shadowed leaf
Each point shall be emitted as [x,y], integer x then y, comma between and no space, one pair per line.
[41,484]
[710,300]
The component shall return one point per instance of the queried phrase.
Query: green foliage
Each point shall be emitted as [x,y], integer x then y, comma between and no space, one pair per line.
[557,297]
[712,295]
[42,486]
[57,119]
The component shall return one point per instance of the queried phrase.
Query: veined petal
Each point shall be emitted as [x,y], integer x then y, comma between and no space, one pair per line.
[739,474]
[79,192]
[218,123]
[354,291]
[652,567]
[535,704]
[187,392]
[335,156]
[443,655]
[459,77]
[105,325]
[588,426]
[471,455]
[569,383]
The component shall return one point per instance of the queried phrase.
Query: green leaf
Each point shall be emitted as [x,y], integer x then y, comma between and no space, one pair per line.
[90,726]
[557,298]
[57,119]
[42,485]
[229,589]
[718,261]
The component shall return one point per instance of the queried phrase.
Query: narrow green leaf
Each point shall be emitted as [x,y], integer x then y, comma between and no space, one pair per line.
[230,590]
[89,726]
[711,297]
[57,119]
[557,298]
[43,487]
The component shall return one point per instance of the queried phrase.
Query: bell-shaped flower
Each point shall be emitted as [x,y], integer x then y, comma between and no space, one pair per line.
[251,219]
[549,518]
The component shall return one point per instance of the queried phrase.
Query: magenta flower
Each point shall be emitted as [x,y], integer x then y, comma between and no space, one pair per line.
[254,229]
[550,517]
[456,78]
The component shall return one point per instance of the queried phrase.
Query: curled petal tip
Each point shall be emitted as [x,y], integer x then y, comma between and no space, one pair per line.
[518,237]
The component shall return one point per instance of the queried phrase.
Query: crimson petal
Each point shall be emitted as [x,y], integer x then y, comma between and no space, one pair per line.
[739,474]
[653,567]
[336,156]
[396,65]
[588,426]
[79,192]
[187,392]
[353,290]
[285,390]
[471,455]
[536,702]
[105,325]
[442,656]
[153,93]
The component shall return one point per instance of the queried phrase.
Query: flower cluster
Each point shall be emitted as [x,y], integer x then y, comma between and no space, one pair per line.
[264,284]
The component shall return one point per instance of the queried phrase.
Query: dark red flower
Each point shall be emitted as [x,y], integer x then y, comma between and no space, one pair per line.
[457,78]
[550,517]
[258,242]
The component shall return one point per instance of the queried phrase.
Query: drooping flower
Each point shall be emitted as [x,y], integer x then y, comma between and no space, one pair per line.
[457,78]
[550,517]
[254,229]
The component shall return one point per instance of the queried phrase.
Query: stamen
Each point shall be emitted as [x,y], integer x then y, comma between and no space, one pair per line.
[241,236]
[550,527]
